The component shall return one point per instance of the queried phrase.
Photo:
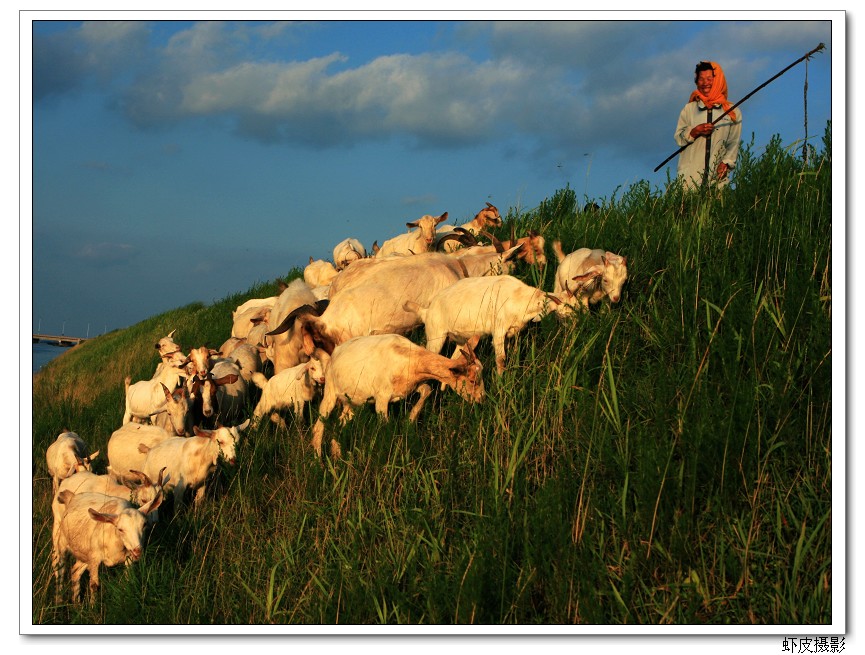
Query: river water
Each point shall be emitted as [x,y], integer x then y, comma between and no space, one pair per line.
[44,353]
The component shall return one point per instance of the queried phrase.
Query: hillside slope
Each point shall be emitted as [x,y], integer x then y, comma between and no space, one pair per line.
[666,460]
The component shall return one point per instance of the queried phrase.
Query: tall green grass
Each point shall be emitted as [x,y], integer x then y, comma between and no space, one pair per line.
[666,460]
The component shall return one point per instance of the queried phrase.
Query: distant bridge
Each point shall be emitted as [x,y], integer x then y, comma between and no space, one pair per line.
[61,340]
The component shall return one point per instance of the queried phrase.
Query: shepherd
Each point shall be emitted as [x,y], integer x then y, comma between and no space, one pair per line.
[713,163]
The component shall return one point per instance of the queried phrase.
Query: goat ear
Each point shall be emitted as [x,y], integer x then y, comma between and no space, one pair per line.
[167,392]
[303,370]
[310,259]
[441,218]
[102,518]
[153,504]
[412,224]
[143,448]
[93,455]
[65,497]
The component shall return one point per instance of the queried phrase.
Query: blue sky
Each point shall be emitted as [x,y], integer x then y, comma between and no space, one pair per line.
[182,161]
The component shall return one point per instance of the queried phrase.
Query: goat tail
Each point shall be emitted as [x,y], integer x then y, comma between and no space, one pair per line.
[557,248]
[127,381]
[414,308]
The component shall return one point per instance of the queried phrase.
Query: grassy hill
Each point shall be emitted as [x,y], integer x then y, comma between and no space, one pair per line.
[666,460]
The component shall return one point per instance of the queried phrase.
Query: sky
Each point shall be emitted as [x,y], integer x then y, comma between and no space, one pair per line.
[184,161]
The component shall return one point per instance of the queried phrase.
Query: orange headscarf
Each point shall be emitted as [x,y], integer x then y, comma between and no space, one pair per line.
[717,94]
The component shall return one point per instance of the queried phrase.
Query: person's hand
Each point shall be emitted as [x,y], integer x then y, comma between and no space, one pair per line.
[723,169]
[704,129]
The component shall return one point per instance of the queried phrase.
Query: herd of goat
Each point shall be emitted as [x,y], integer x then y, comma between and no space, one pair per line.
[340,329]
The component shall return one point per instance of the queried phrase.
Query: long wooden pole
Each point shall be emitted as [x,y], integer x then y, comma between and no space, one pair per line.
[708,160]
[771,79]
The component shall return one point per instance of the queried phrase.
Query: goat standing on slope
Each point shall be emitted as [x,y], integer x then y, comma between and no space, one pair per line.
[386,368]
[415,242]
[98,529]
[499,306]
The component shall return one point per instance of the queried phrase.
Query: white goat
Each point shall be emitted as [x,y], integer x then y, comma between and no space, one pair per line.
[288,389]
[166,345]
[499,306]
[386,368]
[371,301]
[124,458]
[613,270]
[189,461]
[420,239]
[68,454]
[346,252]
[148,398]
[142,493]
[97,529]
[487,217]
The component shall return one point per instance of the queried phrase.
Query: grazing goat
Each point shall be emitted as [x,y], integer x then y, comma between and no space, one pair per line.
[189,461]
[288,389]
[487,217]
[66,456]
[613,270]
[97,529]
[386,368]
[373,298]
[419,240]
[124,459]
[499,306]
[347,251]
